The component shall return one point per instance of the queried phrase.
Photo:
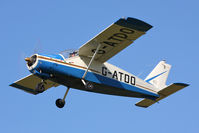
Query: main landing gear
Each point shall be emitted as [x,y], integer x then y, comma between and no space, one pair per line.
[61,102]
[88,85]
[40,87]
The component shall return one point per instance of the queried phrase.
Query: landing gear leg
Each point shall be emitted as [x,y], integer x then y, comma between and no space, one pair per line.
[61,102]
[88,85]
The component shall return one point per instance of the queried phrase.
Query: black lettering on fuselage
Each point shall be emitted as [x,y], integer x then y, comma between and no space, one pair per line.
[104,71]
[115,75]
[126,78]
[132,80]
[120,75]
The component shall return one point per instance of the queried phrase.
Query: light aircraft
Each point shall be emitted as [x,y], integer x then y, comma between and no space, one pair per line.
[86,68]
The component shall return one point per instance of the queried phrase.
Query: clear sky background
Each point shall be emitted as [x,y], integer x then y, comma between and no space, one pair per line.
[51,26]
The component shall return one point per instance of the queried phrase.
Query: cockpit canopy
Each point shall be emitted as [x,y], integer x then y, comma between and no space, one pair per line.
[69,53]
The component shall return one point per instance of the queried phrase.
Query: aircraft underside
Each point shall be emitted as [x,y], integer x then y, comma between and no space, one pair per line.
[76,83]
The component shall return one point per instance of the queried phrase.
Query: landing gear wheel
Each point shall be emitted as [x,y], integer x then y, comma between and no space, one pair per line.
[60,103]
[89,86]
[40,88]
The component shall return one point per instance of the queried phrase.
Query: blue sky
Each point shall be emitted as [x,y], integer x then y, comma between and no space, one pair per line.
[53,26]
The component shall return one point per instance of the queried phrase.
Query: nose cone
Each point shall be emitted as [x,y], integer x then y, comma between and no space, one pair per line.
[27,59]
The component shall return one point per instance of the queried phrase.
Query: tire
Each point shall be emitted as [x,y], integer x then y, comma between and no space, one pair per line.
[40,88]
[60,103]
[89,86]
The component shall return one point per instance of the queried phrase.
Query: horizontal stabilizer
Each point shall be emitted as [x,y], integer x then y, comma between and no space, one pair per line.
[163,94]
[29,83]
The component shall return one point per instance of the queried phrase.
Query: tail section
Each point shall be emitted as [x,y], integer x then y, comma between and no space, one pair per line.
[159,75]
[158,78]
[165,92]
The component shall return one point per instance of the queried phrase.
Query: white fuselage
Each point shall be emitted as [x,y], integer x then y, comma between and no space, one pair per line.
[106,78]
[108,70]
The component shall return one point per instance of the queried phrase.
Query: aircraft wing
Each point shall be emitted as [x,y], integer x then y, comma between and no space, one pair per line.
[163,94]
[29,83]
[115,38]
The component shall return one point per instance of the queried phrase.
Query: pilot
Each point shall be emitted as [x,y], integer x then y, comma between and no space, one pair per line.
[72,54]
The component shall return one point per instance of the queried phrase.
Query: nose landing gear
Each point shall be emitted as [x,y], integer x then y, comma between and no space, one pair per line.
[61,102]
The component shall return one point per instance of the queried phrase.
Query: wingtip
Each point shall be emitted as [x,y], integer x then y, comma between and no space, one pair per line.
[182,84]
[141,106]
[134,23]
[12,84]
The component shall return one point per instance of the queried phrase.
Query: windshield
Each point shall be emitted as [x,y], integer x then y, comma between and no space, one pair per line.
[69,53]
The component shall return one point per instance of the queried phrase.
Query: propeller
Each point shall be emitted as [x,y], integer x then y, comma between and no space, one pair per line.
[38,47]
[28,59]
[31,60]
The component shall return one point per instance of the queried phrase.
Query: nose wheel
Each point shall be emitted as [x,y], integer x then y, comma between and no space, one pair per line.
[61,102]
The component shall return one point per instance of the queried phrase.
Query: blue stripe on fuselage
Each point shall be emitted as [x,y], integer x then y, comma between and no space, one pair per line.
[148,80]
[93,77]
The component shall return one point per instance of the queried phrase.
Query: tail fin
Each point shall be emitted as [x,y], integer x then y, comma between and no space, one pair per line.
[159,75]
